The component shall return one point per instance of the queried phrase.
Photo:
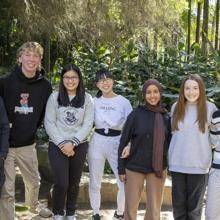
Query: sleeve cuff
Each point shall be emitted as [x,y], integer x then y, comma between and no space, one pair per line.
[60,145]
[121,171]
[75,141]
[3,155]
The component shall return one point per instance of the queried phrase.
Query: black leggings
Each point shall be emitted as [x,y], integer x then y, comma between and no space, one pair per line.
[67,173]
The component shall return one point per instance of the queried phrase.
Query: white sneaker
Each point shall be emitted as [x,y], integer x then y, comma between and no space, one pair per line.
[58,217]
[70,217]
[41,210]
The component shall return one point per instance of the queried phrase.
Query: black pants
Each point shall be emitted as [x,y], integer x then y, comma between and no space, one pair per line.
[2,175]
[187,195]
[66,172]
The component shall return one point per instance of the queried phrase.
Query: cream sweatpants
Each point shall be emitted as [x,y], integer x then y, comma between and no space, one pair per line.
[103,148]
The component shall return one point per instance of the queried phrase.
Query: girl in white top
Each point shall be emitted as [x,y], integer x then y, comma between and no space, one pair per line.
[190,150]
[111,111]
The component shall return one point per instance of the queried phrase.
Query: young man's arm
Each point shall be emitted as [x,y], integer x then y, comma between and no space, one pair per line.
[4,131]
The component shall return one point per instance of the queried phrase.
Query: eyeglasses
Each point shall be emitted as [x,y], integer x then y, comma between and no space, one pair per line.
[72,78]
[105,80]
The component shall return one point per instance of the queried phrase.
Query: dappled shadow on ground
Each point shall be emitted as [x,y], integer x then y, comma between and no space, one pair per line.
[84,211]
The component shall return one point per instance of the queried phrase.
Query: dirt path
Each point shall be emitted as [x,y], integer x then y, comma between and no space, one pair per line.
[83,212]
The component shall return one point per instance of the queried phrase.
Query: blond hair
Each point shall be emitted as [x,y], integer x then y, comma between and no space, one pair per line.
[30,46]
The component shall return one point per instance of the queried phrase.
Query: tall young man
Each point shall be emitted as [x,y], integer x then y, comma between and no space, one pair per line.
[25,92]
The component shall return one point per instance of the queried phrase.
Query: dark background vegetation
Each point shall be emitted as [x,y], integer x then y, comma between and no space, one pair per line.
[164,39]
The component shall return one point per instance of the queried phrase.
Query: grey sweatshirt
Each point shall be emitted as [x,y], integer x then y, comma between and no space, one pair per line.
[190,149]
[64,124]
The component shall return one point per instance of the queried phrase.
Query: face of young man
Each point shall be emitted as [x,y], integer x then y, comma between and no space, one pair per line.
[30,61]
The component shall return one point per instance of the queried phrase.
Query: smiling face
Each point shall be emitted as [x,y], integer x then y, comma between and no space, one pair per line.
[71,82]
[30,61]
[106,86]
[152,95]
[191,91]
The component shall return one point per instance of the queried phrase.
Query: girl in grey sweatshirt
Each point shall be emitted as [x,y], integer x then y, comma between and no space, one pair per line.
[190,150]
[68,121]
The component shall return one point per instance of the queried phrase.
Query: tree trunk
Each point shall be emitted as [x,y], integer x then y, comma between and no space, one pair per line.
[189,28]
[147,40]
[205,27]
[217,25]
[198,22]
[165,50]
[212,35]
[155,44]
[175,39]
[47,54]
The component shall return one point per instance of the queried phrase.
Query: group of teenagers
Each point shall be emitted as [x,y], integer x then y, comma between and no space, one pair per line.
[138,144]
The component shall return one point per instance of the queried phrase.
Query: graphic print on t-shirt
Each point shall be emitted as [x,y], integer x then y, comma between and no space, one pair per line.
[109,113]
[24,109]
[70,116]
[106,108]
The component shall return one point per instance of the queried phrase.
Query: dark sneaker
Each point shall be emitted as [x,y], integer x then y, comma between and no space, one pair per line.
[117,217]
[96,217]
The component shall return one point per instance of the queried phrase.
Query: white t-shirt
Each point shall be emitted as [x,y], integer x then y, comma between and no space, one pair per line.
[111,113]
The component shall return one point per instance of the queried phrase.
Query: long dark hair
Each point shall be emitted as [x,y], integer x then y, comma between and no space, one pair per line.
[63,98]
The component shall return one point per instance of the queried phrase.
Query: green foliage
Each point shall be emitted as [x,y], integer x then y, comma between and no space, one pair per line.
[107,168]
[41,136]
[134,63]
[20,208]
